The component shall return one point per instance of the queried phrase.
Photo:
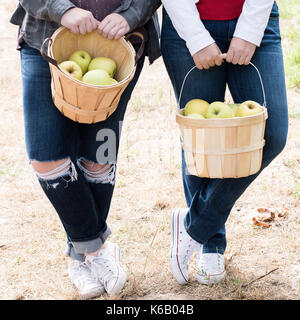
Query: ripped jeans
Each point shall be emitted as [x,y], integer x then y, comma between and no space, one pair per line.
[81,197]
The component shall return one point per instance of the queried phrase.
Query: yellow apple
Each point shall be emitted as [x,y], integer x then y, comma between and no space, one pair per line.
[234,107]
[112,81]
[97,78]
[248,108]
[196,106]
[82,58]
[217,110]
[195,116]
[104,63]
[71,68]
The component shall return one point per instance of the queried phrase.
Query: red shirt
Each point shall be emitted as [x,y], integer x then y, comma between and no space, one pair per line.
[220,9]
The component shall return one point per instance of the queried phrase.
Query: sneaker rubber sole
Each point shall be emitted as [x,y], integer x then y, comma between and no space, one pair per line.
[92,294]
[175,266]
[211,279]
[121,275]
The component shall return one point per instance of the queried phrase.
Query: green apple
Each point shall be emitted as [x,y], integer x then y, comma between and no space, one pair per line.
[82,58]
[195,116]
[196,106]
[71,68]
[234,107]
[218,110]
[248,108]
[104,63]
[113,81]
[97,78]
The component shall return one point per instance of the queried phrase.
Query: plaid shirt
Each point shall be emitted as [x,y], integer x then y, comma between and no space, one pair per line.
[39,19]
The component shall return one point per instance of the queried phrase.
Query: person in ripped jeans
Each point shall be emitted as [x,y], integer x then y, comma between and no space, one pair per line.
[198,33]
[63,153]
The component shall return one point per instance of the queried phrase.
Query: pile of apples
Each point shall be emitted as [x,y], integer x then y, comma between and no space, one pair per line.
[200,109]
[99,71]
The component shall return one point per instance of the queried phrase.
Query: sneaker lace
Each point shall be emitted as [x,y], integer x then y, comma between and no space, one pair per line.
[210,261]
[107,269]
[81,275]
[188,252]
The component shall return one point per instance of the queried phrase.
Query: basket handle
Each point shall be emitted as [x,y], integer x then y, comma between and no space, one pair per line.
[127,38]
[142,47]
[44,52]
[223,56]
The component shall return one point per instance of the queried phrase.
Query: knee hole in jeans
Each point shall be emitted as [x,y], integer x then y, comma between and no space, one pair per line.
[97,172]
[52,170]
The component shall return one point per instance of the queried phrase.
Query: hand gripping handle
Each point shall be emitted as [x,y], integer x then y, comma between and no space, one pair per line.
[223,56]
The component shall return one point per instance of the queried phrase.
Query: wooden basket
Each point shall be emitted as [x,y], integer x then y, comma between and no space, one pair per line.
[223,148]
[83,102]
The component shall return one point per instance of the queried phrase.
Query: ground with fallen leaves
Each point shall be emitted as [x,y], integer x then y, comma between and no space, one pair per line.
[262,262]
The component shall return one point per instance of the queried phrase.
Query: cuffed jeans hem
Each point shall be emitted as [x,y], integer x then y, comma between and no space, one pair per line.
[204,249]
[213,250]
[77,249]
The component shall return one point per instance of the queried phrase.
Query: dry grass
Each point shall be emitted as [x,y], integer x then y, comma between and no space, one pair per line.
[32,240]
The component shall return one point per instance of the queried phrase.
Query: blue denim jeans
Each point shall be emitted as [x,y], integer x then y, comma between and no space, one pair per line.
[81,203]
[211,200]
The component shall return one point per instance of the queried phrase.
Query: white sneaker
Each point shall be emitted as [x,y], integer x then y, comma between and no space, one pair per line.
[81,277]
[107,269]
[182,246]
[210,268]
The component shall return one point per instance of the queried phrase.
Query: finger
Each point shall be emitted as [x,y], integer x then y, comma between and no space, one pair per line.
[206,66]
[211,63]
[89,26]
[248,59]
[93,24]
[75,29]
[235,58]
[199,66]
[250,56]
[113,32]
[100,28]
[103,24]
[120,33]
[219,61]
[229,56]
[82,28]
[107,29]
[242,60]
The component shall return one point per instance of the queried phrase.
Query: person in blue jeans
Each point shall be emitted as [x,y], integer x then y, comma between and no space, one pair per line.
[197,34]
[76,163]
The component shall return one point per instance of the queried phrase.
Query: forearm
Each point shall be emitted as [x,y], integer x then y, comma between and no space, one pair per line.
[186,20]
[252,22]
[51,10]
[139,12]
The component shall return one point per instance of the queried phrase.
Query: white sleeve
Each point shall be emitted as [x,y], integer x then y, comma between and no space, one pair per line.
[186,20]
[253,20]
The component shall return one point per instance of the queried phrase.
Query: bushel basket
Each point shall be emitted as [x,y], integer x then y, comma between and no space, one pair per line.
[223,148]
[75,99]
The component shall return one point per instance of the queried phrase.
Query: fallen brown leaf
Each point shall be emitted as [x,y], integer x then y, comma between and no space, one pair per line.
[268,215]
[283,212]
[259,223]
[269,218]
[260,210]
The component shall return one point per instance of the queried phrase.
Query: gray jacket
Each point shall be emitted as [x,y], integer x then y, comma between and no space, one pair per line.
[40,18]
